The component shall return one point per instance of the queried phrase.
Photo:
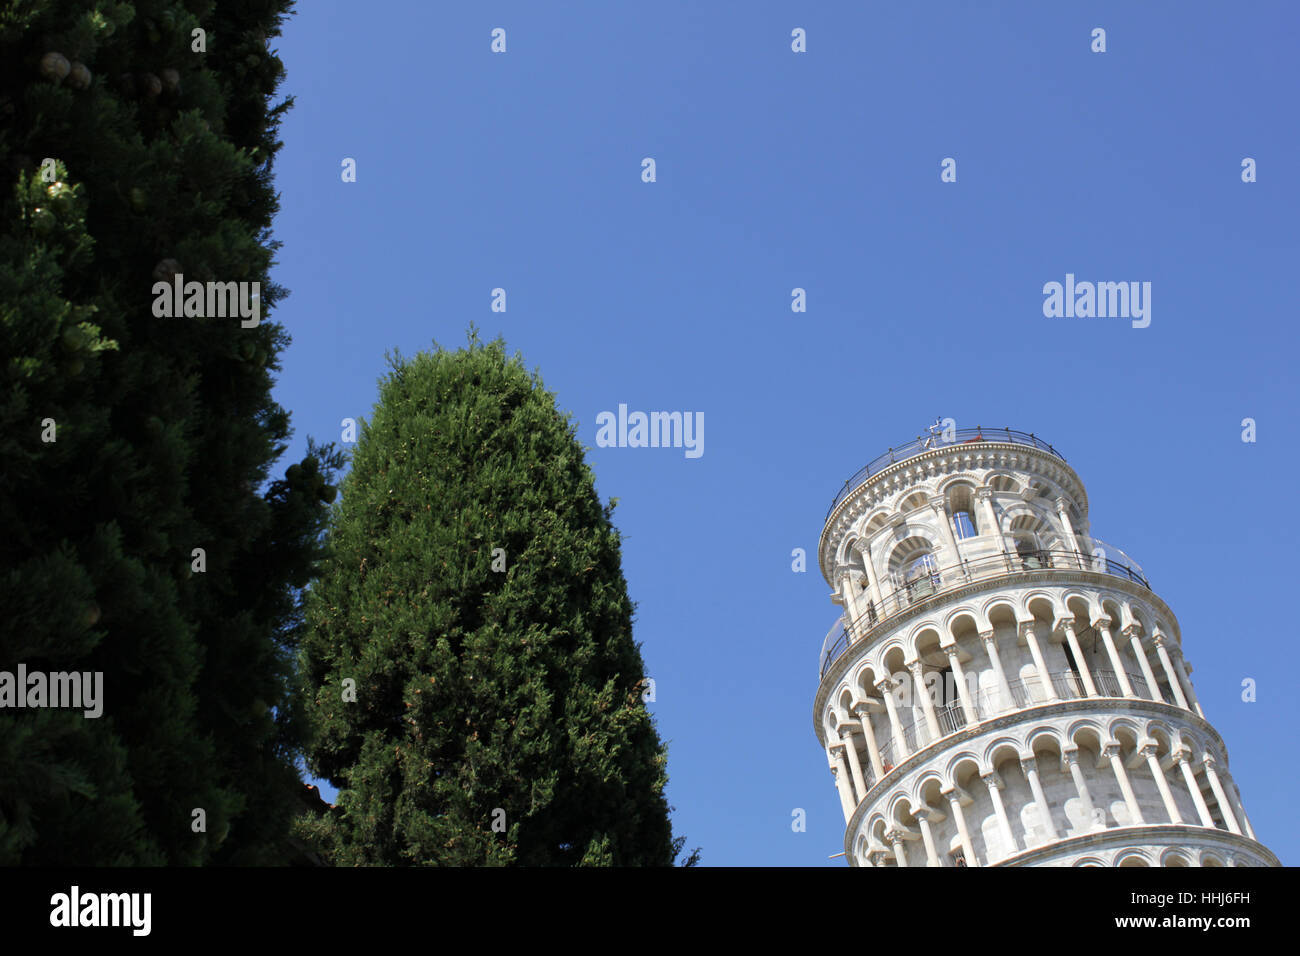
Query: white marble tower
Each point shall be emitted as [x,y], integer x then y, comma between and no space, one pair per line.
[1002,688]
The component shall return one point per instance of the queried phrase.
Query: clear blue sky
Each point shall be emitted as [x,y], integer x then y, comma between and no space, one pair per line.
[821,170]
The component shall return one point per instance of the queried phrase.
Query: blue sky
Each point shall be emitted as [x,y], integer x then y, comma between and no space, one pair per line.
[821,170]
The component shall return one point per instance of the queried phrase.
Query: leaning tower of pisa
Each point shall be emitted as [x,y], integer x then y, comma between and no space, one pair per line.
[1003,688]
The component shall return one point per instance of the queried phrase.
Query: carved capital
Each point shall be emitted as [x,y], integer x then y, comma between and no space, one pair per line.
[1111,749]
[987,636]
[1028,762]
[1104,622]
[984,494]
[862,709]
[957,793]
[1160,640]
[993,780]
[1148,748]
[1066,624]
[952,650]
[1209,761]
[1069,756]
[886,684]
[940,504]
[897,835]
[1132,631]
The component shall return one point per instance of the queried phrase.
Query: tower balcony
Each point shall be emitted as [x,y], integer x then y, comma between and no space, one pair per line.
[933,585]
[924,443]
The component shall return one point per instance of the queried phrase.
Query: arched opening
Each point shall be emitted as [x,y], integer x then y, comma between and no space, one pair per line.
[1005,483]
[961,506]
[1032,543]
[1086,808]
[914,569]
[917,499]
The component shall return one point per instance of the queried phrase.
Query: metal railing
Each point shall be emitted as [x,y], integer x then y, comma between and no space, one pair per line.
[924,443]
[1103,560]
[990,703]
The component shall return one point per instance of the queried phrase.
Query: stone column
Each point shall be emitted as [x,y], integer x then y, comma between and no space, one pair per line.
[1225,807]
[886,687]
[851,612]
[957,797]
[1241,809]
[1063,513]
[1111,751]
[1134,633]
[940,507]
[917,670]
[840,773]
[873,751]
[923,815]
[991,647]
[1183,757]
[1148,750]
[1103,625]
[995,785]
[1181,669]
[963,689]
[1162,651]
[1067,624]
[897,839]
[985,498]
[1071,757]
[1040,667]
[855,765]
[1030,767]
[872,582]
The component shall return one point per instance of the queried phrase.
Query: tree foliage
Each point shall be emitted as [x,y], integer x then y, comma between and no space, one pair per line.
[165,430]
[498,714]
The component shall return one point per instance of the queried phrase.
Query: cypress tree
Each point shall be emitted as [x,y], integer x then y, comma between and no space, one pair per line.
[136,141]
[472,677]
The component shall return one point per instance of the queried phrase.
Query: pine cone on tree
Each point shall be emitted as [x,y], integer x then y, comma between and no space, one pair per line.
[55,66]
[79,77]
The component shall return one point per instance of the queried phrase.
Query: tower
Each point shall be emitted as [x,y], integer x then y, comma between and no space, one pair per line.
[1002,687]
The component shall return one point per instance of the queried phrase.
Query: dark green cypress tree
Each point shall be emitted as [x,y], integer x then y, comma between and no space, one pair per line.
[508,696]
[160,143]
